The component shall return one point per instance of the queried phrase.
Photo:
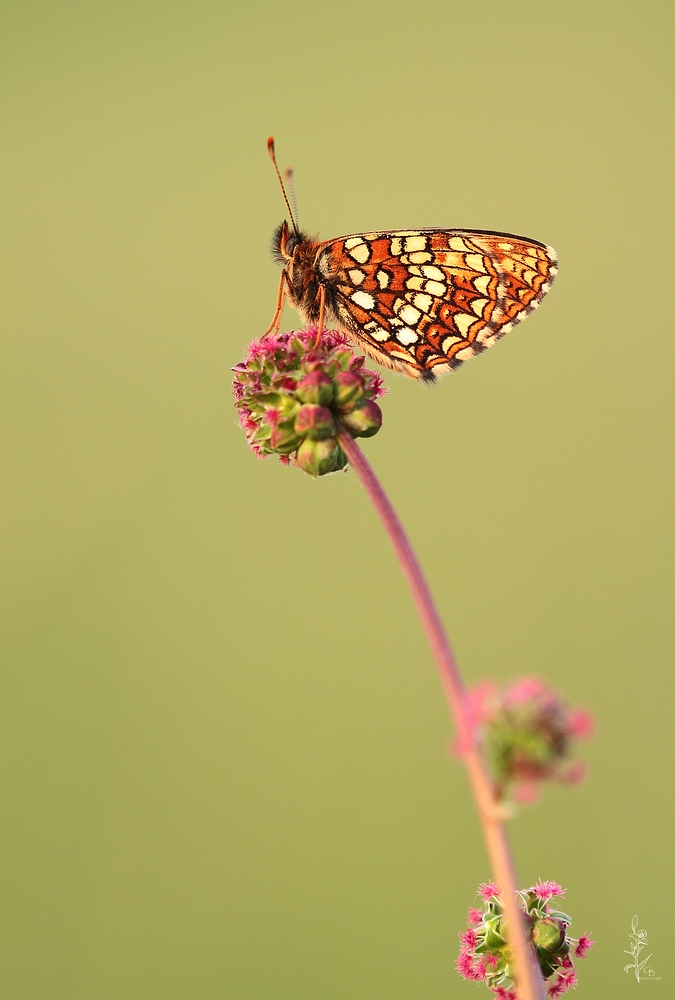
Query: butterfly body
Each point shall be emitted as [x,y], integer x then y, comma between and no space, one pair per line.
[419,301]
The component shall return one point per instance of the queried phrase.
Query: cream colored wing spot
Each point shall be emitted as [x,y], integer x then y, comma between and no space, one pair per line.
[441,368]
[382,279]
[475,262]
[465,354]
[414,283]
[478,306]
[464,322]
[448,342]
[409,314]
[435,288]
[360,253]
[433,272]
[406,336]
[413,243]
[352,242]
[457,243]
[363,299]
[396,247]
[506,246]
[481,284]
[356,276]
[421,257]
[404,355]
[378,333]
[423,302]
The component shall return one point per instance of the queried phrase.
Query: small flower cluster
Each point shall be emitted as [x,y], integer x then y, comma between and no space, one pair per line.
[527,733]
[296,391]
[485,955]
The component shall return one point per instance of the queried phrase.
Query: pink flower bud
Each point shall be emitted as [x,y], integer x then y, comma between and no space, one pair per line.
[317,458]
[548,934]
[349,390]
[316,387]
[314,422]
[284,440]
[363,421]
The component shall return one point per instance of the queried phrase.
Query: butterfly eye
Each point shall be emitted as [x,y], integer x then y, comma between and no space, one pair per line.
[291,244]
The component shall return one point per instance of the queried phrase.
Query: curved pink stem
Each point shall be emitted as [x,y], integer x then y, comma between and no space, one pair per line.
[530,982]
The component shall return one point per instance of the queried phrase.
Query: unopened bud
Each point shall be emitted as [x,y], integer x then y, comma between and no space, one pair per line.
[318,457]
[315,422]
[284,440]
[349,389]
[364,421]
[493,939]
[548,934]
[343,358]
[316,388]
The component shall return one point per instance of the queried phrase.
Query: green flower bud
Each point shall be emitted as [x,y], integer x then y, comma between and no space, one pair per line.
[314,422]
[319,457]
[285,391]
[284,440]
[349,389]
[288,407]
[343,358]
[315,387]
[493,939]
[365,420]
[548,934]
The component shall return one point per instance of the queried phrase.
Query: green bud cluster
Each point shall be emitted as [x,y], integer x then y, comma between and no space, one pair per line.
[486,955]
[295,395]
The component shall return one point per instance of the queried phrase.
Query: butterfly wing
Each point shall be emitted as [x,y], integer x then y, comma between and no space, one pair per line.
[424,301]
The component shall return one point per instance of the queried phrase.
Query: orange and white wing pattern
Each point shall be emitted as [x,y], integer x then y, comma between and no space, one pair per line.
[424,301]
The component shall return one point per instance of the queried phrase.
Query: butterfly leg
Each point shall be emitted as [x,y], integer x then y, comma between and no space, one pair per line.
[322,309]
[281,298]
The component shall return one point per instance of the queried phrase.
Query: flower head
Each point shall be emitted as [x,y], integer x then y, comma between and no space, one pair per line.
[485,954]
[488,890]
[295,392]
[547,890]
[528,733]
[584,945]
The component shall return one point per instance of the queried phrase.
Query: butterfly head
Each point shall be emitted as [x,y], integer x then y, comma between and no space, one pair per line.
[285,242]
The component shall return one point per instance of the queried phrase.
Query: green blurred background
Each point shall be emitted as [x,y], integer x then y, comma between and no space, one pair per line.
[224,748]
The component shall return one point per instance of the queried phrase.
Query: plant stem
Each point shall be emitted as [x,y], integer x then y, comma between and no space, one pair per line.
[530,984]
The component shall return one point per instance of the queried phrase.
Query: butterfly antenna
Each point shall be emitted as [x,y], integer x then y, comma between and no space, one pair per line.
[270,150]
[288,172]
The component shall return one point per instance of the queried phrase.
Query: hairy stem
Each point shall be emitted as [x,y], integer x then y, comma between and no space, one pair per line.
[530,984]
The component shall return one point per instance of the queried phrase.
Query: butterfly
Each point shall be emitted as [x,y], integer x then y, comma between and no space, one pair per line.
[420,301]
